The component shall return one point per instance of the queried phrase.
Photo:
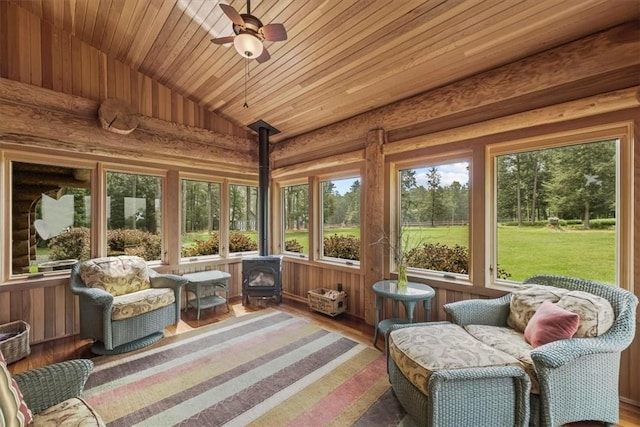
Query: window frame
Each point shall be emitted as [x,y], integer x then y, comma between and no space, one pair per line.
[624,192]
[207,179]
[319,213]
[8,156]
[278,213]
[105,168]
[226,188]
[436,159]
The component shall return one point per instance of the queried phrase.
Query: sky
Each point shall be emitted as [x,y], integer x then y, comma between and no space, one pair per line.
[449,172]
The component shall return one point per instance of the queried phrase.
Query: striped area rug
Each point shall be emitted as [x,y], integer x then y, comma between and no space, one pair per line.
[266,368]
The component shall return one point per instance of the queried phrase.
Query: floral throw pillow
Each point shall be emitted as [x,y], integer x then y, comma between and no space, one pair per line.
[14,409]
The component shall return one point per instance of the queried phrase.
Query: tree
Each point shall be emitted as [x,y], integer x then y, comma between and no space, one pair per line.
[583,181]
[328,200]
[236,206]
[296,207]
[352,204]
[433,187]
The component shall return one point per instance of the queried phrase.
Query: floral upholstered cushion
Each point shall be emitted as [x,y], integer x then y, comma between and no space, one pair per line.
[421,350]
[511,342]
[525,302]
[72,412]
[117,275]
[596,313]
[140,302]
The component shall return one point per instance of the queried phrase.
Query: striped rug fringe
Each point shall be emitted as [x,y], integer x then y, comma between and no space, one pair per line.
[266,368]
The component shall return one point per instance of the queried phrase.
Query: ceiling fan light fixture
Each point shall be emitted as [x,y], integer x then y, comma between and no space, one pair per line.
[248,45]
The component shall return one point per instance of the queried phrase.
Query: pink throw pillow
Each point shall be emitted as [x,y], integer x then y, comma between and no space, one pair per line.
[550,323]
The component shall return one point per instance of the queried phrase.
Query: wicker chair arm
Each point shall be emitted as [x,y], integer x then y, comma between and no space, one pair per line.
[47,386]
[480,373]
[492,312]
[558,353]
[94,296]
[167,281]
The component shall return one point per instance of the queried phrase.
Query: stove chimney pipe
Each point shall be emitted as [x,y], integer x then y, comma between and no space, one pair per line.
[264,130]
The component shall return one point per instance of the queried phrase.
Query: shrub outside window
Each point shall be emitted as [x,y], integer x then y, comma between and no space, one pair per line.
[295,218]
[243,218]
[134,215]
[434,218]
[341,219]
[200,218]
[51,217]
[556,211]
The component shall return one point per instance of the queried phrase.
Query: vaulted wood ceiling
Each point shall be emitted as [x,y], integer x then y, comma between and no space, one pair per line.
[341,58]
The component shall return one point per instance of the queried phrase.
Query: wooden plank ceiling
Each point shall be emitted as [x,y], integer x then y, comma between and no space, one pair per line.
[341,58]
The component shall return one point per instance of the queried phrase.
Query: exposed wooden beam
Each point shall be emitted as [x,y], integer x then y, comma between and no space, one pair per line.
[587,59]
[373,227]
[599,104]
[34,96]
[49,129]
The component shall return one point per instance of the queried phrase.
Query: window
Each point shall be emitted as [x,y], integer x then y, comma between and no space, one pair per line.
[243,218]
[556,211]
[200,219]
[51,217]
[295,218]
[434,217]
[134,215]
[341,219]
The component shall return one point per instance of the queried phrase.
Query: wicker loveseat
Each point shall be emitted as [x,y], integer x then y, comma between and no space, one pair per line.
[124,305]
[573,379]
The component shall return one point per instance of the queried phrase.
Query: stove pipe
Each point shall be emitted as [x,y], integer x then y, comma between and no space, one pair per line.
[263,182]
[263,129]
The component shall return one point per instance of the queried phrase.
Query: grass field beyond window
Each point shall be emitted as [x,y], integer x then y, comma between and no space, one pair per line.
[524,251]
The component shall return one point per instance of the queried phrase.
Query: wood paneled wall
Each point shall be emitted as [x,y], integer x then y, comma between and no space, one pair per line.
[41,55]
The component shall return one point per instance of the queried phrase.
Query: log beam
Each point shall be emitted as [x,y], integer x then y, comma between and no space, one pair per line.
[553,76]
[65,104]
[599,104]
[372,229]
[49,129]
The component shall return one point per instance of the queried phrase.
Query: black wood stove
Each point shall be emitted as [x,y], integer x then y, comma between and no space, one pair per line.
[262,274]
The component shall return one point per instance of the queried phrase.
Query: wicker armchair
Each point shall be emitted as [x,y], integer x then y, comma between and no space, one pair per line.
[51,385]
[578,377]
[140,327]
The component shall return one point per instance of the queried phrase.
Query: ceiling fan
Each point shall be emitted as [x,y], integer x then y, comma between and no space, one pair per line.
[250,33]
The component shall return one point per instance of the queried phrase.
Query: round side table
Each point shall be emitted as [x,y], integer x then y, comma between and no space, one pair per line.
[409,296]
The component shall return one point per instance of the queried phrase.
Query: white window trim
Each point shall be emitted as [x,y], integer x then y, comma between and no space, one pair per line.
[444,158]
[208,179]
[624,189]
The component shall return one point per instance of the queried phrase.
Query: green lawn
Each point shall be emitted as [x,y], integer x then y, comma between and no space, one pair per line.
[523,251]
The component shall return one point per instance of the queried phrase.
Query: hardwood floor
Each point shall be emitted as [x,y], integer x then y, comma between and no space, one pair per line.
[73,347]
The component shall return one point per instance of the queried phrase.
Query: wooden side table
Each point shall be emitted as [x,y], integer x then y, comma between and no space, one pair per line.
[408,295]
[205,287]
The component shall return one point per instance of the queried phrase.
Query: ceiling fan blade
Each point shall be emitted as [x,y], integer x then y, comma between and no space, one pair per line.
[232,14]
[223,40]
[264,56]
[274,32]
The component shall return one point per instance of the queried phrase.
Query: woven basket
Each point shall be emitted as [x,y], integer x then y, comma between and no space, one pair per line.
[17,347]
[318,302]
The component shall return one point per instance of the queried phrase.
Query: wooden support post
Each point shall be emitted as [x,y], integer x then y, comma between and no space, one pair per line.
[372,227]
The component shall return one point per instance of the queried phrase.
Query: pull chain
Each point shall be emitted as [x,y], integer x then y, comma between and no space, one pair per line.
[246,75]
